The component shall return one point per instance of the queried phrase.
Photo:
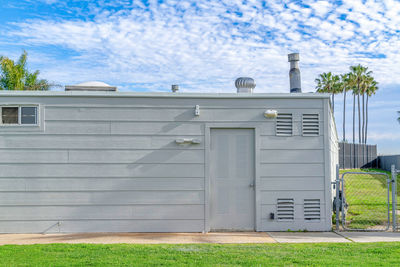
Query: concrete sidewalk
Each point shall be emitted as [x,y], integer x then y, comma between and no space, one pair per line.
[138,238]
[334,237]
[193,238]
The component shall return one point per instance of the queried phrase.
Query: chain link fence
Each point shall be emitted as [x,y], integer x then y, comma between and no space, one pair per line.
[395,212]
[367,201]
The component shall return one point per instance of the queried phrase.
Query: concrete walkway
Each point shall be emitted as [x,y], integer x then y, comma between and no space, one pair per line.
[192,238]
[138,238]
[307,237]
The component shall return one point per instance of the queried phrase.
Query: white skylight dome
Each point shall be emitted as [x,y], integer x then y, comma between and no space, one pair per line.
[94,84]
[91,86]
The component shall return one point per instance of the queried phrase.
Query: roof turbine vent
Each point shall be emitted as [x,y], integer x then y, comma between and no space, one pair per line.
[245,85]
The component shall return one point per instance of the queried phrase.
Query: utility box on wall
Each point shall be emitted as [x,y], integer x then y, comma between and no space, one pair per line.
[166,162]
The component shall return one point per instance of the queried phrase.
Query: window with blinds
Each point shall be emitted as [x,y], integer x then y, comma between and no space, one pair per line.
[310,124]
[284,124]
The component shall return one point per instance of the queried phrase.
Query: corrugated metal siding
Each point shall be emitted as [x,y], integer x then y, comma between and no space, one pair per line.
[104,164]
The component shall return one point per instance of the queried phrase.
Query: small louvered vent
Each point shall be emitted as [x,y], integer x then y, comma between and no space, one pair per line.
[285,209]
[312,210]
[310,125]
[284,124]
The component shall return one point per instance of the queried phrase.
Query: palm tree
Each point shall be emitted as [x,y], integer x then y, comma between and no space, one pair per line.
[15,76]
[344,87]
[328,83]
[360,82]
[398,119]
[354,125]
[363,91]
[359,76]
[371,90]
[351,84]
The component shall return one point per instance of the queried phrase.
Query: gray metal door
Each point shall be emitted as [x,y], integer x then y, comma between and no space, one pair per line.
[232,199]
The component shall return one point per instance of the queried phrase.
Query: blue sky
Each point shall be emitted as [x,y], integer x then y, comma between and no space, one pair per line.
[204,45]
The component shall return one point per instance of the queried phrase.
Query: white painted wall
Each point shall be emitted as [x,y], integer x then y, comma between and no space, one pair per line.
[105,162]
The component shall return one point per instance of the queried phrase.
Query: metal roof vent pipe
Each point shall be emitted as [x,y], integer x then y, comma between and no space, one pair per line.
[245,85]
[294,73]
[174,88]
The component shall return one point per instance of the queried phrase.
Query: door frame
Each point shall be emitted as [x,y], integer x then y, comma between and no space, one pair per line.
[207,184]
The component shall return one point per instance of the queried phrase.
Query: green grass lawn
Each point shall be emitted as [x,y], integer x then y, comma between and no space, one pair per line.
[327,254]
[366,196]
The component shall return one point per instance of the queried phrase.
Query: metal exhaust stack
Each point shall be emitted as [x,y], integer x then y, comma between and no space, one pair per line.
[245,85]
[294,73]
[174,88]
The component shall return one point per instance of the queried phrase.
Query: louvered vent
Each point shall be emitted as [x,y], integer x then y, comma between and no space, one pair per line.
[310,125]
[285,209]
[312,210]
[284,124]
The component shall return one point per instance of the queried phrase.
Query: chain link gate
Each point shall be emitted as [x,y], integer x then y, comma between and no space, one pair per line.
[367,206]
[364,201]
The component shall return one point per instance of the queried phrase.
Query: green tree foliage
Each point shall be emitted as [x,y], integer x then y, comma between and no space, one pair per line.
[16,76]
[359,79]
[361,83]
[328,83]
[364,85]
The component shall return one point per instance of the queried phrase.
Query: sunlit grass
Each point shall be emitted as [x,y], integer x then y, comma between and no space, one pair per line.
[367,197]
[319,254]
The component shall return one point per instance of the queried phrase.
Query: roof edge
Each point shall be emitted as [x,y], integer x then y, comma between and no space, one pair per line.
[158,94]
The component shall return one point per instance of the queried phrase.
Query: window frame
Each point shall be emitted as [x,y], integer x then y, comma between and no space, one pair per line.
[19,124]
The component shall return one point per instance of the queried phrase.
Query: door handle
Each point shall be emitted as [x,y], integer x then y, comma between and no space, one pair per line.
[251,185]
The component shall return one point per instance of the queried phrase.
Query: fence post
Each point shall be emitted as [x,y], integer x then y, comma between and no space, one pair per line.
[337,197]
[394,197]
[345,150]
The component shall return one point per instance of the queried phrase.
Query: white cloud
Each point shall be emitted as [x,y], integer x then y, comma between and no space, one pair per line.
[321,8]
[204,45]
[377,136]
[207,44]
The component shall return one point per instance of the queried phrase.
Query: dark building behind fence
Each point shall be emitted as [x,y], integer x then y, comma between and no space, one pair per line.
[357,156]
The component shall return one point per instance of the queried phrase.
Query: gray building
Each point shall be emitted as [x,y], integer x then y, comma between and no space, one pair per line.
[80,161]
[91,159]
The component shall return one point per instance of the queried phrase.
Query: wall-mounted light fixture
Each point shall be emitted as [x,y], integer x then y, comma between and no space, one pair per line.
[197,110]
[269,113]
[182,141]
